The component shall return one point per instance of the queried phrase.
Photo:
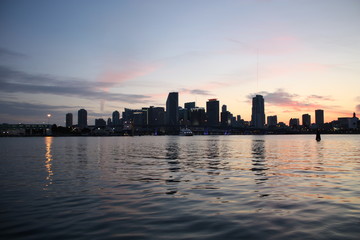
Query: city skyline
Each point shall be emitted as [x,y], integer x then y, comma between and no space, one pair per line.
[211,116]
[61,56]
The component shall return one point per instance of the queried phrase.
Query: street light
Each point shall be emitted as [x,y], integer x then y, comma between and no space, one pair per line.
[49,115]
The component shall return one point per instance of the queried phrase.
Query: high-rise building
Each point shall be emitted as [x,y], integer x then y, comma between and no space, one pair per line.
[319,117]
[155,116]
[82,118]
[189,105]
[212,112]
[197,116]
[69,119]
[172,109]
[258,112]
[294,122]
[306,120]
[272,121]
[225,116]
[100,123]
[116,118]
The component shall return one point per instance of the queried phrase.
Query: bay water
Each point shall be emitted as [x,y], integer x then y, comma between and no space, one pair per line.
[176,187]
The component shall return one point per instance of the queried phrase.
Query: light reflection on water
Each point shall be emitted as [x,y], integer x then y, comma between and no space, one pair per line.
[48,159]
[170,187]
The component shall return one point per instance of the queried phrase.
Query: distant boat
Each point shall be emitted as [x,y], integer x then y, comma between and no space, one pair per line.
[185,132]
[318,137]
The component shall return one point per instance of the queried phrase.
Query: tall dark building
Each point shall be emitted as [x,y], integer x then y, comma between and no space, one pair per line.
[197,117]
[294,122]
[272,121]
[212,112]
[319,117]
[69,119]
[306,120]
[225,116]
[116,118]
[172,109]
[189,105]
[258,112]
[82,118]
[100,123]
[155,116]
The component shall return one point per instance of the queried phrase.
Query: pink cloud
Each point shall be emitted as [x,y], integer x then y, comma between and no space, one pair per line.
[112,78]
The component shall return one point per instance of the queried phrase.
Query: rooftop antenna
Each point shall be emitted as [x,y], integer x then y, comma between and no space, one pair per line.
[257,69]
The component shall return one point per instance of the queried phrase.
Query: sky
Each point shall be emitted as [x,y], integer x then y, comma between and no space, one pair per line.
[59,56]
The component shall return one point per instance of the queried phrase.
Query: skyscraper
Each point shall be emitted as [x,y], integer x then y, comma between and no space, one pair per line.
[172,109]
[272,121]
[319,117]
[212,111]
[69,119]
[189,105]
[258,112]
[82,118]
[306,120]
[116,118]
[294,122]
[225,116]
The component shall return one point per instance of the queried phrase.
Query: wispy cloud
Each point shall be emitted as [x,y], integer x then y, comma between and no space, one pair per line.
[13,81]
[318,97]
[9,53]
[195,91]
[112,78]
[357,108]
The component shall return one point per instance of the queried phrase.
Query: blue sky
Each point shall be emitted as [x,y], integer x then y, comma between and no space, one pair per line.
[60,56]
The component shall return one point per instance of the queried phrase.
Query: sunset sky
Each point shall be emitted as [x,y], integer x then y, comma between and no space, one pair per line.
[60,56]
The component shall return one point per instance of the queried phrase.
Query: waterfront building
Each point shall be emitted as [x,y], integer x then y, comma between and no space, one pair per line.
[155,116]
[294,122]
[115,118]
[172,109]
[100,123]
[272,121]
[197,116]
[258,112]
[82,118]
[225,116]
[69,120]
[306,120]
[212,112]
[319,117]
[348,123]
[189,105]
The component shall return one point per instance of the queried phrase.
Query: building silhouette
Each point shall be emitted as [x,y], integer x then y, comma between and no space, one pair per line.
[115,118]
[306,120]
[225,116]
[82,118]
[212,112]
[197,116]
[69,120]
[172,109]
[258,112]
[100,123]
[272,121]
[155,116]
[319,118]
[294,122]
